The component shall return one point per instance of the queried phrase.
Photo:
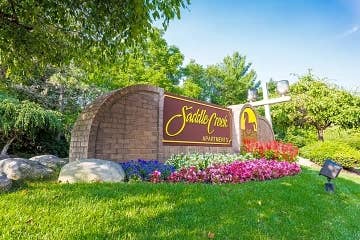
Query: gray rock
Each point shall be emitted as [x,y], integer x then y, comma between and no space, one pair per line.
[5,183]
[24,169]
[91,170]
[2,156]
[50,161]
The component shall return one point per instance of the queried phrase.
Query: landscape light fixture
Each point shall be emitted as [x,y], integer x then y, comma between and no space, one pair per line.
[330,170]
[252,95]
[282,87]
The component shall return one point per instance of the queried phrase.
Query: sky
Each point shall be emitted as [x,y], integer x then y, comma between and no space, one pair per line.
[279,37]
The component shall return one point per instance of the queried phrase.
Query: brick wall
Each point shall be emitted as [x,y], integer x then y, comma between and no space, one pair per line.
[126,124]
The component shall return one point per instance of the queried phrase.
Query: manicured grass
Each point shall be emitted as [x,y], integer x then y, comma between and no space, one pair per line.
[288,208]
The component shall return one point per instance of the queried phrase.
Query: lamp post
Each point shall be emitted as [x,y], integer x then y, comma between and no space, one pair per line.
[282,87]
[266,98]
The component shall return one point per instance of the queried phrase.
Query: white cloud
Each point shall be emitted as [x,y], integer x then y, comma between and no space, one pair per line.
[350,31]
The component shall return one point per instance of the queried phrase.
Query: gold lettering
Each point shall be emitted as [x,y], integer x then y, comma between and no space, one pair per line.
[216,139]
[199,117]
[183,115]
[210,131]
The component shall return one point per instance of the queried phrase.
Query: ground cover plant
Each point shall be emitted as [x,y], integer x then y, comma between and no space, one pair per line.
[288,208]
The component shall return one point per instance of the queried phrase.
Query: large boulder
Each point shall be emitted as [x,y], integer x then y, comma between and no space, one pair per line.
[24,169]
[91,170]
[5,183]
[3,156]
[50,161]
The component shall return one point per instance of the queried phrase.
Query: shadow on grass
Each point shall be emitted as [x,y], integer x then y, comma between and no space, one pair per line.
[288,208]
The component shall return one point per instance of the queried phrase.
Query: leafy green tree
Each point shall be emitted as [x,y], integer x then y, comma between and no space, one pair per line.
[316,105]
[349,105]
[196,82]
[225,83]
[62,89]
[34,34]
[25,118]
[192,90]
[231,80]
[156,63]
[236,78]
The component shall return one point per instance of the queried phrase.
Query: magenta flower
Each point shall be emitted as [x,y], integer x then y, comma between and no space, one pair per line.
[155,176]
[237,172]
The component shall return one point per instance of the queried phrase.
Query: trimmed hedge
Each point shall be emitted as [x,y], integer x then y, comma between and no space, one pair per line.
[338,151]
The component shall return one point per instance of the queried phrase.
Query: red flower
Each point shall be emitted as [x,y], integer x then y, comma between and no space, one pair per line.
[272,150]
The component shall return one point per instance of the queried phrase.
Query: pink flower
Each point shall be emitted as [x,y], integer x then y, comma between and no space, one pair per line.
[155,176]
[237,172]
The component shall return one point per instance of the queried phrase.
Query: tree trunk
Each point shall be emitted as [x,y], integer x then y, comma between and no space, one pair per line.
[2,72]
[320,133]
[61,106]
[61,99]
[6,147]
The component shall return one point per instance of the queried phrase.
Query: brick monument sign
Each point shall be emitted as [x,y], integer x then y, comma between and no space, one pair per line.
[142,121]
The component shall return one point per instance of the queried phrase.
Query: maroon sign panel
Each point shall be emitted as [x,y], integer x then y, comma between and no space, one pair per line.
[188,122]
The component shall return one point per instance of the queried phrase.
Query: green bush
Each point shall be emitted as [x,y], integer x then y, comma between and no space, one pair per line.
[204,160]
[350,136]
[299,136]
[41,143]
[338,151]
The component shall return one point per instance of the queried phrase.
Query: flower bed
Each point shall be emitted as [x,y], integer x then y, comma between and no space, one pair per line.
[272,150]
[236,172]
[205,160]
[143,170]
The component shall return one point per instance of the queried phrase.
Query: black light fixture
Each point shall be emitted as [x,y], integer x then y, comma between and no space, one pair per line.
[330,170]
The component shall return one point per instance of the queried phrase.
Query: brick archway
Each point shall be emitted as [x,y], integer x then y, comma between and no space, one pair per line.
[121,125]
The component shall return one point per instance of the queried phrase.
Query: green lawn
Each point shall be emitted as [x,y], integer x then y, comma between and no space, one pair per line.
[288,208]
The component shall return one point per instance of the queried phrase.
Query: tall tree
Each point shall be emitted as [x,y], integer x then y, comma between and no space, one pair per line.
[37,33]
[63,89]
[156,63]
[237,79]
[231,80]
[225,83]
[192,90]
[196,82]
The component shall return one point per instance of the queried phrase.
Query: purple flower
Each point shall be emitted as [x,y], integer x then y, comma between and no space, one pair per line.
[143,169]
